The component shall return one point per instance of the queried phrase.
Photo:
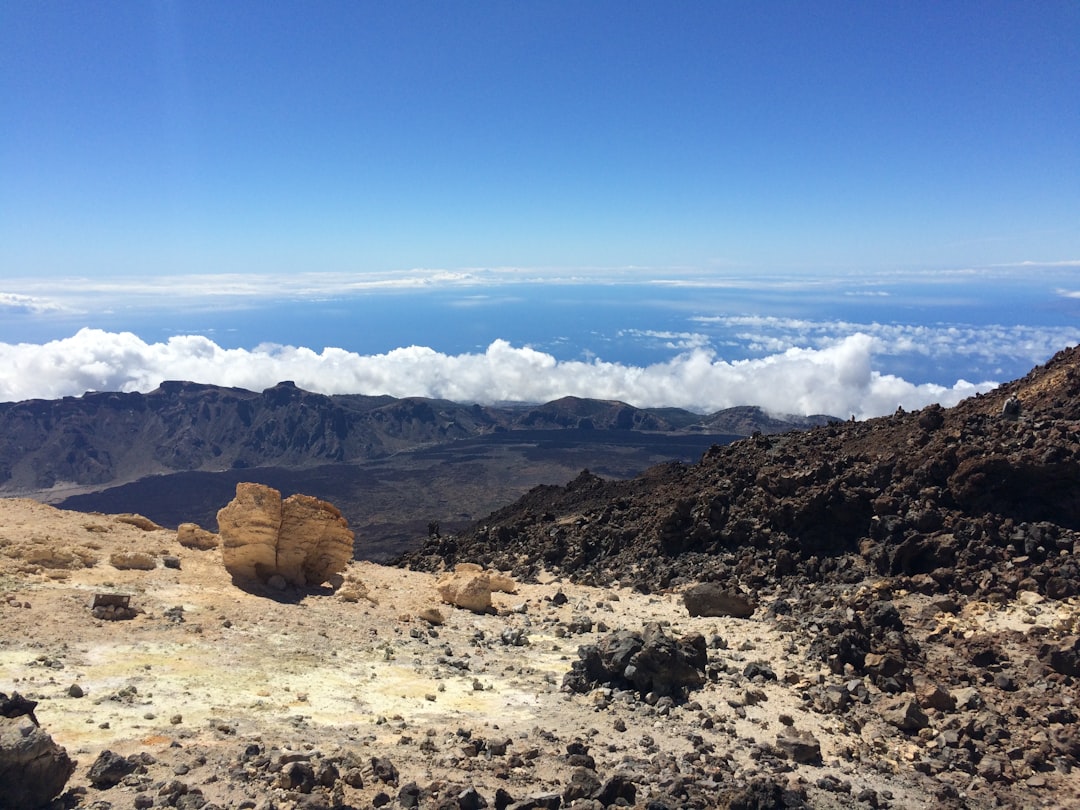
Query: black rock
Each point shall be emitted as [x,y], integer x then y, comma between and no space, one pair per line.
[647,662]
[33,768]
[712,599]
[109,769]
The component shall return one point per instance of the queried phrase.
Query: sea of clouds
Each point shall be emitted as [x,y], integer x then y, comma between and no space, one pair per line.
[838,379]
[991,325]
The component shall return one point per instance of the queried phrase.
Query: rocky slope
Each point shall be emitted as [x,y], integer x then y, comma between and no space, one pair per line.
[945,496]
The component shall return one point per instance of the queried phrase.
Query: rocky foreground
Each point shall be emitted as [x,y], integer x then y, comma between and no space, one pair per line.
[196,693]
[927,562]
[878,614]
[382,694]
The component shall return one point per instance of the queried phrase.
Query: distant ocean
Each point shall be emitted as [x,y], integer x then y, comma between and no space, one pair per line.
[921,330]
[936,331]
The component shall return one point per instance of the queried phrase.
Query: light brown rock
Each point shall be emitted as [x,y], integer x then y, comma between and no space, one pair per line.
[467,587]
[432,615]
[133,561]
[302,539]
[503,583]
[43,553]
[192,535]
[138,521]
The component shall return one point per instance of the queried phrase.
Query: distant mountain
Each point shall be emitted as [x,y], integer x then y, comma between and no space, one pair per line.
[80,444]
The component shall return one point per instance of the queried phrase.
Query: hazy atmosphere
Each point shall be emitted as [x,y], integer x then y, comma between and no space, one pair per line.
[818,208]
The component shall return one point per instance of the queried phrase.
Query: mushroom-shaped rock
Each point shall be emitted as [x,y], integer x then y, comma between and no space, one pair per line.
[301,539]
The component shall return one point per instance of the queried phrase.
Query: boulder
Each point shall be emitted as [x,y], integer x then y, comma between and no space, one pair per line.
[33,768]
[503,583]
[470,586]
[650,661]
[192,535]
[303,540]
[466,588]
[712,599]
[932,696]
[113,607]
[1062,656]
[109,770]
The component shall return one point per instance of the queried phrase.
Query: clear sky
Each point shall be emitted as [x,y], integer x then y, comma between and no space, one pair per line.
[817,206]
[206,137]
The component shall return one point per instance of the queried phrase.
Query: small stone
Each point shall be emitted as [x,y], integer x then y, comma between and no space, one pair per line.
[801,746]
[75,691]
[432,616]
[906,716]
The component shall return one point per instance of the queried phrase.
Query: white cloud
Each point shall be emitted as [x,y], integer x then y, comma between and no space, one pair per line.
[668,339]
[838,379]
[987,342]
[17,302]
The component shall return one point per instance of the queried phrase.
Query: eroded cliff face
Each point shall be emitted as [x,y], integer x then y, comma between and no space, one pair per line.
[302,539]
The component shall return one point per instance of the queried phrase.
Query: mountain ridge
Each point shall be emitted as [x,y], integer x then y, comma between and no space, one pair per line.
[108,438]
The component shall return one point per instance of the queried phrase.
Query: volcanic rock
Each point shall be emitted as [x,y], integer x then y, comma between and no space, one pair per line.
[33,768]
[906,715]
[712,599]
[109,769]
[800,746]
[649,662]
[301,539]
[1063,656]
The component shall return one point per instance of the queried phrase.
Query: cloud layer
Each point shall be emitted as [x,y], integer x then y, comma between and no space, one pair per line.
[989,343]
[838,379]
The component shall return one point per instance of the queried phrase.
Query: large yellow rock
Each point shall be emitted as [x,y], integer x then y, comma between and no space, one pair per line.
[469,586]
[466,589]
[304,540]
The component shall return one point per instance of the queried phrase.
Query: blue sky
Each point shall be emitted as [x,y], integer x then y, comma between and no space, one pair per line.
[221,137]
[164,155]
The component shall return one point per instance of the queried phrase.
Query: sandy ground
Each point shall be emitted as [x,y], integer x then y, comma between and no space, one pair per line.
[370,678]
